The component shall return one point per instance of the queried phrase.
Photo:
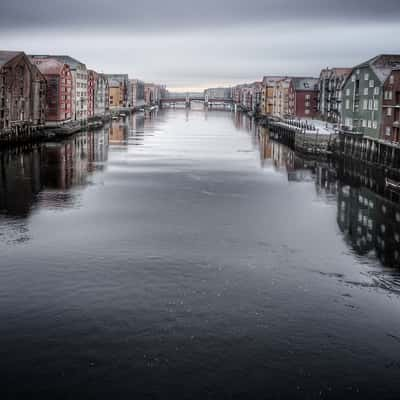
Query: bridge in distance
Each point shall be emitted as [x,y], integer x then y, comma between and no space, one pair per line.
[173,99]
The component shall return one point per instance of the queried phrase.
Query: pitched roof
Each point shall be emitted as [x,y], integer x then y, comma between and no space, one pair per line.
[72,62]
[114,83]
[272,80]
[6,56]
[382,65]
[305,84]
[49,66]
[335,72]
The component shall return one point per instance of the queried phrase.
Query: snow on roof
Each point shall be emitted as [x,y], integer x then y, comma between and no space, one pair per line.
[382,65]
[49,66]
[72,62]
[272,80]
[305,84]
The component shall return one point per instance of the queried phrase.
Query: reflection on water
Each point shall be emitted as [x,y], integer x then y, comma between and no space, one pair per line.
[47,172]
[369,222]
[184,254]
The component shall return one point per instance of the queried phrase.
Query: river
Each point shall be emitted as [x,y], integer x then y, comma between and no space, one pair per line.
[185,255]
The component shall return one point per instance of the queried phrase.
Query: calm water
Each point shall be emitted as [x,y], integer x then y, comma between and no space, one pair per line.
[185,255]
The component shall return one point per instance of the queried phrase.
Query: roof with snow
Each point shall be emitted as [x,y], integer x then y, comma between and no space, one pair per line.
[382,65]
[305,84]
[72,62]
[272,80]
[50,66]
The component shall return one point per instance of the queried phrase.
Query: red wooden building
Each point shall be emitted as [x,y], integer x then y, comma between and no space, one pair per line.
[91,92]
[303,97]
[390,127]
[59,90]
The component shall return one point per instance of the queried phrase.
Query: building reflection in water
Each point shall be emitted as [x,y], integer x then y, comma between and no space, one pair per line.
[367,215]
[370,223]
[136,131]
[119,132]
[45,173]
[20,181]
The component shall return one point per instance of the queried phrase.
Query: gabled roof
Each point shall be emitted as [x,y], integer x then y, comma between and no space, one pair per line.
[123,78]
[72,62]
[335,72]
[114,83]
[305,84]
[50,66]
[6,56]
[382,65]
[272,80]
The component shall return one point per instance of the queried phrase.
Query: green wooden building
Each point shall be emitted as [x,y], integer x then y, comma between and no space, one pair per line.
[362,95]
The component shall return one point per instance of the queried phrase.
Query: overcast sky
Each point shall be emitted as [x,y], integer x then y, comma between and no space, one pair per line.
[197,44]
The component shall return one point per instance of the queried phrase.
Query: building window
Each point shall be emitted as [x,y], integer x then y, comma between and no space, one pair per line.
[366,76]
[376,105]
[364,123]
[347,92]
[365,104]
[353,78]
[374,124]
[388,131]
[347,104]
[370,104]
[389,111]
[376,90]
[371,83]
[391,79]
[366,91]
[369,124]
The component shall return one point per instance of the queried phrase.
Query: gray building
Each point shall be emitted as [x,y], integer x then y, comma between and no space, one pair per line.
[101,96]
[330,93]
[136,93]
[363,94]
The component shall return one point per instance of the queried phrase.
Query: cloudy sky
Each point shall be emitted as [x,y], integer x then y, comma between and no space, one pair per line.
[196,44]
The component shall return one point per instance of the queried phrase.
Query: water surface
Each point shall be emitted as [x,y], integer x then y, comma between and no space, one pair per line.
[185,255]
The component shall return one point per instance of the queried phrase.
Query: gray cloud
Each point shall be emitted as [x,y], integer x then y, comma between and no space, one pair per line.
[172,15]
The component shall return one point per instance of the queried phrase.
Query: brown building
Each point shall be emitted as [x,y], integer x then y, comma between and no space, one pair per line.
[267,95]
[116,91]
[390,127]
[303,97]
[59,89]
[280,99]
[22,93]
